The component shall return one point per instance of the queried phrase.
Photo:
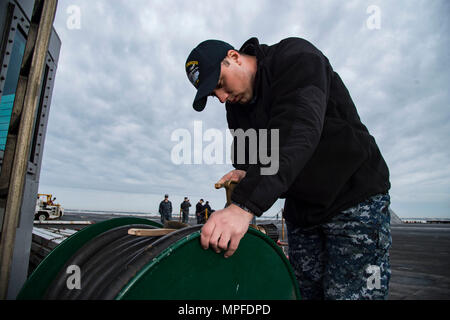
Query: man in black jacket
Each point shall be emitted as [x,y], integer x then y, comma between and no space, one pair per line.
[199,209]
[330,170]
[208,211]
[184,207]
[165,209]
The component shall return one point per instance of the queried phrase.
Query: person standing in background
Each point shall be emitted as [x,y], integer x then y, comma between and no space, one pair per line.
[165,209]
[198,210]
[185,209]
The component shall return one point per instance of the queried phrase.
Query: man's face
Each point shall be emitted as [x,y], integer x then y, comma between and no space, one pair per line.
[235,82]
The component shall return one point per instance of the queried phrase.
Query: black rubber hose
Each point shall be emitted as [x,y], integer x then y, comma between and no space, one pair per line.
[133,266]
[92,268]
[117,269]
[102,272]
[104,259]
[109,261]
[58,285]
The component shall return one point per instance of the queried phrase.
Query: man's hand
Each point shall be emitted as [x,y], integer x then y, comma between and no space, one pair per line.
[233,175]
[225,229]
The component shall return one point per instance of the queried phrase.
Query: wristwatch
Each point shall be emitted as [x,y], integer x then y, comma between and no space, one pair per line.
[242,206]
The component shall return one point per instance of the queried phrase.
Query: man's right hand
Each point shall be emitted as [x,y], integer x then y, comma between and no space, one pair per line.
[233,175]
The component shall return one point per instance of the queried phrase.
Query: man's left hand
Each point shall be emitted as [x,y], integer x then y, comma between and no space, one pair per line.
[225,229]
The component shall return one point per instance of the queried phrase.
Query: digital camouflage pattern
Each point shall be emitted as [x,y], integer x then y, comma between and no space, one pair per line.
[347,258]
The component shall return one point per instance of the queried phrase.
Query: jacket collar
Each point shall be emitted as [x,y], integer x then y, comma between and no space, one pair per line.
[253,48]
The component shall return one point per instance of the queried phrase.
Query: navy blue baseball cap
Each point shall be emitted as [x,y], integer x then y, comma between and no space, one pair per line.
[203,69]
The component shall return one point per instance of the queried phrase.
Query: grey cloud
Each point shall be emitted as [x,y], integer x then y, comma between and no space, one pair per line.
[121,89]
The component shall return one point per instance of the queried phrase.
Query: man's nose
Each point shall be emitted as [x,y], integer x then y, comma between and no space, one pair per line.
[221,95]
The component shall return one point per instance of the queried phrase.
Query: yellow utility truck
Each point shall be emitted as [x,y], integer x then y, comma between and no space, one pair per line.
[47,209]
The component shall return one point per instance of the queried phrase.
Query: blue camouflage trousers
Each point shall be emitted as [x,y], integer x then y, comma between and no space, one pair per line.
[346,258]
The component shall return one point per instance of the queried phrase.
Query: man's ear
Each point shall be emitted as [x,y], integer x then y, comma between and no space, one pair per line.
[234,55]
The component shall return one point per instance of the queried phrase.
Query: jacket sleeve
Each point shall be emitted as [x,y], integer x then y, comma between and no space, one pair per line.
[300,90]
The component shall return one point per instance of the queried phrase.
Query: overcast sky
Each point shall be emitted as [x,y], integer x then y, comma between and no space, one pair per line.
[121,91]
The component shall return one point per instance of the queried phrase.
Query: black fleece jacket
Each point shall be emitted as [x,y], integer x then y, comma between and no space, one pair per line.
[328,161]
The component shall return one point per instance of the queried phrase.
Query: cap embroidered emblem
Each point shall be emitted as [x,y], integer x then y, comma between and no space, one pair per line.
[192,70]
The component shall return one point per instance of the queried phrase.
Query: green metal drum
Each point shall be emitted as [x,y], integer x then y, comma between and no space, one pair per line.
[173,266]
[257,270]
[43,275]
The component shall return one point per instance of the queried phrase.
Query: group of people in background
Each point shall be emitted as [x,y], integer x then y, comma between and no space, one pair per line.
[202,211]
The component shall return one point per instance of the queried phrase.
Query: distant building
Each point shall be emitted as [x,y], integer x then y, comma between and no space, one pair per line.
[414,221]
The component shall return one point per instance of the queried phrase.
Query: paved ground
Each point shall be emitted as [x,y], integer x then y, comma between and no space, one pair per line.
[420,262]
[420,258]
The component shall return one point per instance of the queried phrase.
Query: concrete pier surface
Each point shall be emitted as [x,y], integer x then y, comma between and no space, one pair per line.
[420,262]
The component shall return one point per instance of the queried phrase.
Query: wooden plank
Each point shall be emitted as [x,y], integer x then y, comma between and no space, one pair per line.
[48,235]
[150,232]
[43,22]
[61,232]
[63,222]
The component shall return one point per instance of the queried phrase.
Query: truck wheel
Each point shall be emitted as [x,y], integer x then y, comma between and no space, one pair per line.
[42,217]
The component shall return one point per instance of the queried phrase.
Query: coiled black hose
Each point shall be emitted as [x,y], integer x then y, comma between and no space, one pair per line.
[110,260]
[133,266]
[58,288]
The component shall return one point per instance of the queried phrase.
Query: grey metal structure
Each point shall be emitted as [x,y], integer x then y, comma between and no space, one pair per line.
[15,18]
